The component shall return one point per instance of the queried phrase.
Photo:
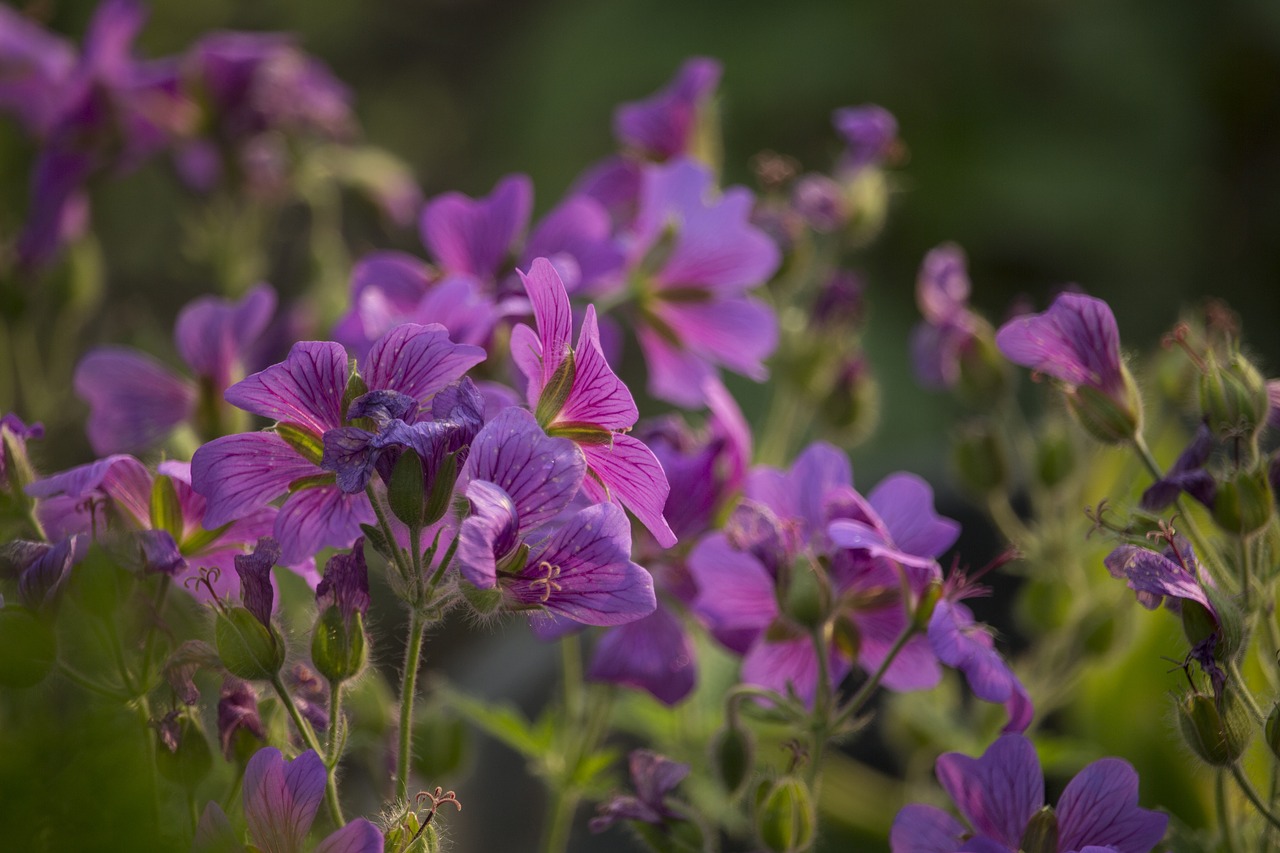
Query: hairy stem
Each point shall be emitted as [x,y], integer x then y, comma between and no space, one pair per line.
[408,687]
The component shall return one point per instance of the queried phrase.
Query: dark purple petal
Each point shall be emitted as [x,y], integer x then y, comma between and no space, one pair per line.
[1100,807]
[214,334]
[475,236]
[34,66]
[583,571]
[999,792]
[134,401]
[540,474]
[963,644]
[119,477]
[734,590]
[904,503]
[58,212]
[383,406]
[320,517]
[350,454]
[488,534]
[631,475]
[345,584]
[1075,341]
[158,553]
[281,798]
[238,474]
[305,389]
[417,361]
[869,132]
[1187,474]
[654,776]
[359,836]
[663,124]
[654,654]
[44,570]
[1153,576]
[924,829]
[255,579]
[936,353]
[238,709]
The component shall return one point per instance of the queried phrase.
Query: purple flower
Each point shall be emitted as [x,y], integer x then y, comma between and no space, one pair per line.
[238,712]
[575,394]
[966,645]
[694,255]
[255,579]
[14,465]
[237,474]
[870,134]
[135,401]
[653,776]
[820,202]
[41,569]
[1077,343]
[280,803]
[940,343]
[345,584]
[665,124]
[519,480]
[654,654]
[1001,795]
[475,237]
[1187,474]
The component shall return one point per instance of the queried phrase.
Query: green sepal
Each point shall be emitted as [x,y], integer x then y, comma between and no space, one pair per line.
[166,512]
[556,392]
[338,649]
[309,445]
[582,433]
[246,647]
[406,494]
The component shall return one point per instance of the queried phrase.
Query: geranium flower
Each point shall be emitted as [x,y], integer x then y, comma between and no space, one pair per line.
[653,777]
[1001,795]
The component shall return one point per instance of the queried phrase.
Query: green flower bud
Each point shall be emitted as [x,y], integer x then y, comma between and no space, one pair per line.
[979,458]
[850,404]
[1055,457]
[30,648]
[309,445]
[732,757]
[984,372]
[1233,396]
[248,648]
[785,819]
[1244,504]
[1216,730]
[1106,418]
[808,599]
[191,760]
[338,650]
[1041,834]
[406,490]
[925,606]
[440,494]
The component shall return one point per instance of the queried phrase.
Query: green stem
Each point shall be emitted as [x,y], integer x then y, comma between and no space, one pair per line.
[868,687]
[83,681]
[335,718]
[1014,530]
[1243,782]
[555,838]
[565,796]
[1233,669]
[1243,555]
[309,736]
[1224,818]
[149,643]
[408,687]
[439,573]
[385,526]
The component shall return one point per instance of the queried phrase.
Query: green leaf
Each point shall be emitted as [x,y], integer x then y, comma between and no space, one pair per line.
[504,723]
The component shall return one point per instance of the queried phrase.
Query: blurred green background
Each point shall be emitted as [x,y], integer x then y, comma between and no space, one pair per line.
[1132,148]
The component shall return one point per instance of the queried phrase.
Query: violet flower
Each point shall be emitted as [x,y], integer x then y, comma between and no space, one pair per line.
[693,256]
[304,394]
[281,799]
[13,438]
[870,134]
[519,479]
[238,718]
[966,645]
[40,568]
[653,777]
[575,394]
[1077,343]
[1001,796]
[135,401]
[1187,474]
[947,333]
[345,584]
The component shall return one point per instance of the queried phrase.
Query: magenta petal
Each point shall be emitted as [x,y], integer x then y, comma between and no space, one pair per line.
[237,474]
[999,792]
[790,665]
[1075,340]
[281,798]
[635,479]
[417,360]
[800,493]
[134,401]
[120,477]
[213,334]
[320,517]
[662,125]
[1100,807]
[916,665]
[595,581]
[734,590]
[487,535]
[551,314]
[738,333]
[359,836]
[598,396]
[924,829]
[36,64]
[305,389]
[541,474]
[653,654]
[475,236]
[676,375]
[578,228]
[904,503]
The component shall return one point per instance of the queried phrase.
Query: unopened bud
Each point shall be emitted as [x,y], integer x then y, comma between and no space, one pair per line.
[1111,420]
[851,406]
[1231,624]
[1233,396]
[1217,730]
[30,648]
[925,606]
[1243,503]
[808,598]
[441,490]
[732,756]
[406,490]
[785,819]
[984,372]
[338,648]
[248,648]
[980,461]
[1041,834]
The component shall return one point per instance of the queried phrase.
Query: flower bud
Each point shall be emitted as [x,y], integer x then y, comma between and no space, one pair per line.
[1233,396]
[30,648]
[925,606]
[1055,457]
[785,819]
[1243,503]
[406,490]
[808,599]
[732,757]
[1110,419]
[1216,730]
[984,373]
[851,406]
[440,492]
[183,756]
[1231,624]
[978,455]
[338,647]
[248,648]
[1041,834]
